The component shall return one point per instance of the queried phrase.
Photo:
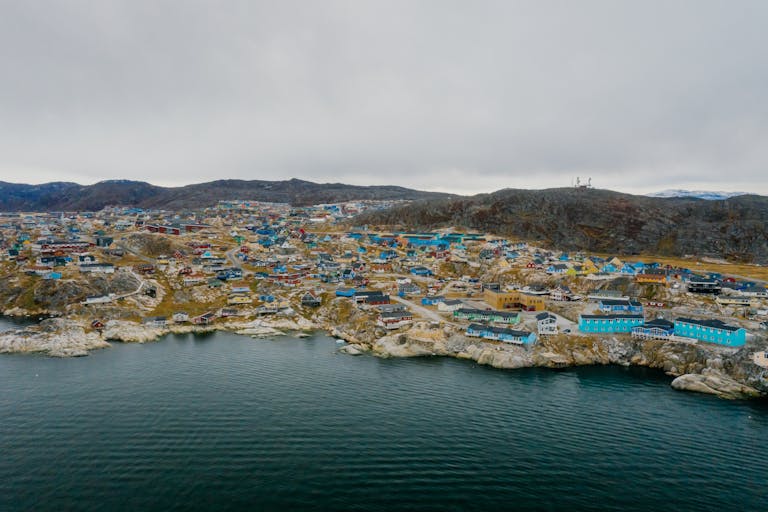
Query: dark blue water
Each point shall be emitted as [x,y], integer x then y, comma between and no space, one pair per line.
[228,423]
[9,323]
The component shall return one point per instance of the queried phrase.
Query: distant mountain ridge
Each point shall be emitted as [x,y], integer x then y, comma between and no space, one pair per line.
[58,196]
[599,221]
[699,194]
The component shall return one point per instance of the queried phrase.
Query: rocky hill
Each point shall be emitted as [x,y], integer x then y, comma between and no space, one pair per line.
[601,221]
[59,196]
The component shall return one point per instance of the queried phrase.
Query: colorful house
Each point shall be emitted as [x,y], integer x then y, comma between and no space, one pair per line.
[619,306]
[652,276]
[557,268]
[345,292]
[711,331]
[501,334]
[395,319]
[658,329]
[546,324]
[487,315]
[609,323]
[513,300]
[704,285]
[628,269]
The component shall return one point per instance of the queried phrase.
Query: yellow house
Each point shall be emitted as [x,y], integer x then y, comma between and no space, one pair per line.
[239,299]
[513,300]
[589,266]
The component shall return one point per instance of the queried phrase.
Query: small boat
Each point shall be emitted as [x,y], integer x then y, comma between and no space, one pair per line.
[340,341]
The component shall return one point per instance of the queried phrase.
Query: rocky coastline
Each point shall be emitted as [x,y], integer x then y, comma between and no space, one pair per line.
[727,373]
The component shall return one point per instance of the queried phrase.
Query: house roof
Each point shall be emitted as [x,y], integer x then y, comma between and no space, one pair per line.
[660,323]
[610,317]
[716,324]
[494,312]
[620,302]
[396,314]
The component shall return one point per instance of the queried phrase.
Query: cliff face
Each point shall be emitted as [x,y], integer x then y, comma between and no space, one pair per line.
[701,368]
[601,221]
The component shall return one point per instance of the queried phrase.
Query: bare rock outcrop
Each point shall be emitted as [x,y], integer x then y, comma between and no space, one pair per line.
[56,337]
[714,382]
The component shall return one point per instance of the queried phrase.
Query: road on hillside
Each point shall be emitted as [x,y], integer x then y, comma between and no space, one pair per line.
[233,259]
[426,313]
[141,285]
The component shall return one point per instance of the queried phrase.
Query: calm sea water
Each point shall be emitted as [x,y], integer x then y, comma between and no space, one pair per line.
[223,422]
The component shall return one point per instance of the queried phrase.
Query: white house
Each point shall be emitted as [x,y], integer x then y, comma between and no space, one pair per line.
[546,323]
[180,317]
[449,306]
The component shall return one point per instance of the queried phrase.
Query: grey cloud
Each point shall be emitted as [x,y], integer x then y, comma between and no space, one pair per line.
[456,96]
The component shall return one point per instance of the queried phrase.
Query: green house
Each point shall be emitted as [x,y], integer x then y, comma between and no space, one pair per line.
[487,315]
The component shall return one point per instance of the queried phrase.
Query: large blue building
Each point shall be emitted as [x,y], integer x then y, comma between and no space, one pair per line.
[711,331]
[609,323]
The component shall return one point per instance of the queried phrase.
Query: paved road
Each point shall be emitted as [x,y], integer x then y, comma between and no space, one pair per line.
[426,313]
[135,292]
[231,257]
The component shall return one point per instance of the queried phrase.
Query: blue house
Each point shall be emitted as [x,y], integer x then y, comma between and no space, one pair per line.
[619,306]
[387,255]
[345,292]
[711,331]
[609,323]
[421,271]
[557,268]
[628,269]
[501,334]
[432,300]
[610,268]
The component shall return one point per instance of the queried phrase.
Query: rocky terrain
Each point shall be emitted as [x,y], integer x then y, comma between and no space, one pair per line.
[725,372]
[56,337]
[74,197]
[600,221]
[20,295]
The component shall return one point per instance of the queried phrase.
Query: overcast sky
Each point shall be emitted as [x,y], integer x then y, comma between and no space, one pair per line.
[464,97]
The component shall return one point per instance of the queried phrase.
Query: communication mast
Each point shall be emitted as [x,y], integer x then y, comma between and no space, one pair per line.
[580,185]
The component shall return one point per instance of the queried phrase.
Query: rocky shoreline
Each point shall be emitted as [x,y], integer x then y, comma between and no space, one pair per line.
[727,373]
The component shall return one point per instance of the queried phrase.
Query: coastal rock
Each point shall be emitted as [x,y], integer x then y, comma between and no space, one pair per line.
[56,336]
[352,350]
[288,324]
[723,371]
[400,346]
[131,332]
[714,382]
[260,331]
[552,360]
